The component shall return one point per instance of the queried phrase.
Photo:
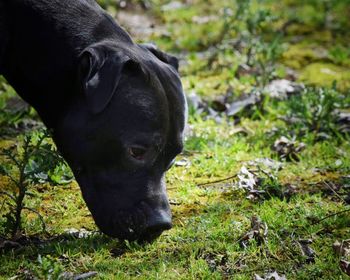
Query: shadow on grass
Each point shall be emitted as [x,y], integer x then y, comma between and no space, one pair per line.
[32,246]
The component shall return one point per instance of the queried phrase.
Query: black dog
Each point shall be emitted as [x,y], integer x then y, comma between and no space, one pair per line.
[116,108]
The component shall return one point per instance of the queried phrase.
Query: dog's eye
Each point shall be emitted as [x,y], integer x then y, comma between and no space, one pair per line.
[137,152]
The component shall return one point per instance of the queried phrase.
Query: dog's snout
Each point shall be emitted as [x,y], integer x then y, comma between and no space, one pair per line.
[157,223]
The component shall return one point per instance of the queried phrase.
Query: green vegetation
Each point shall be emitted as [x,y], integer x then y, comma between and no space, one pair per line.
[35,161]
[263,183]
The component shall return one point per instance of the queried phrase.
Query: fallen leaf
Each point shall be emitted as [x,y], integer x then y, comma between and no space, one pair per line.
[71,276]
[267,163]
[273,275]
[258,232]
[345,266]
[86,275]
[216,261]
[240,105]
[194,101]
[247,179]
[343,120]
[258,179]
[342,248]
[24,274]
[288,148]
[306,250]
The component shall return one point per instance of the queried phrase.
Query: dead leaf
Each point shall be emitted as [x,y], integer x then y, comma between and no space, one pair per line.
[194,101]
[337,248]
[343,120]
[240,105]
[267,163]
[306,250]
[256,181]
[71,276]
[24,273]
[216,261]
[247,179]
[273,275]
[342,248]
[86,275]
[288,148]
[345,266]
[258,232]
[289,191]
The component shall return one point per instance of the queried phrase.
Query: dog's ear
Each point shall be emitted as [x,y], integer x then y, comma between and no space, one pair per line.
[100,72]
[167,58]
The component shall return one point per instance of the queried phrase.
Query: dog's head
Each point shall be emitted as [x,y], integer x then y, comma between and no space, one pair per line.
[122,133]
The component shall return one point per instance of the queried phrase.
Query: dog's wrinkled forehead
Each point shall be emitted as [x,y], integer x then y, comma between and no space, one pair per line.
[171,86]
[141,101]
[148,98]
[163,77]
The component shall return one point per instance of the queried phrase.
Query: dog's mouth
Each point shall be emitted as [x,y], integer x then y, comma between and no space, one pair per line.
[142,223]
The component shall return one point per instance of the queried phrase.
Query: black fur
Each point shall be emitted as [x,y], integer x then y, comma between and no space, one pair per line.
[103,96]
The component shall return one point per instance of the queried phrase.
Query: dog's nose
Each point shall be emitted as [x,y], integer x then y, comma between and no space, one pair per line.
[157,223]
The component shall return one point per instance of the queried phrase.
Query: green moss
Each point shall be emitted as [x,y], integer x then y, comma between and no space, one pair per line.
[207,86]
[324,74]
[300,55]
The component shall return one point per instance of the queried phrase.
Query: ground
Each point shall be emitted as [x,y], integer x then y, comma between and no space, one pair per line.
[263,183]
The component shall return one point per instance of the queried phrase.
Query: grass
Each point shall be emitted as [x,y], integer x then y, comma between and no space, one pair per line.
[212,215]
